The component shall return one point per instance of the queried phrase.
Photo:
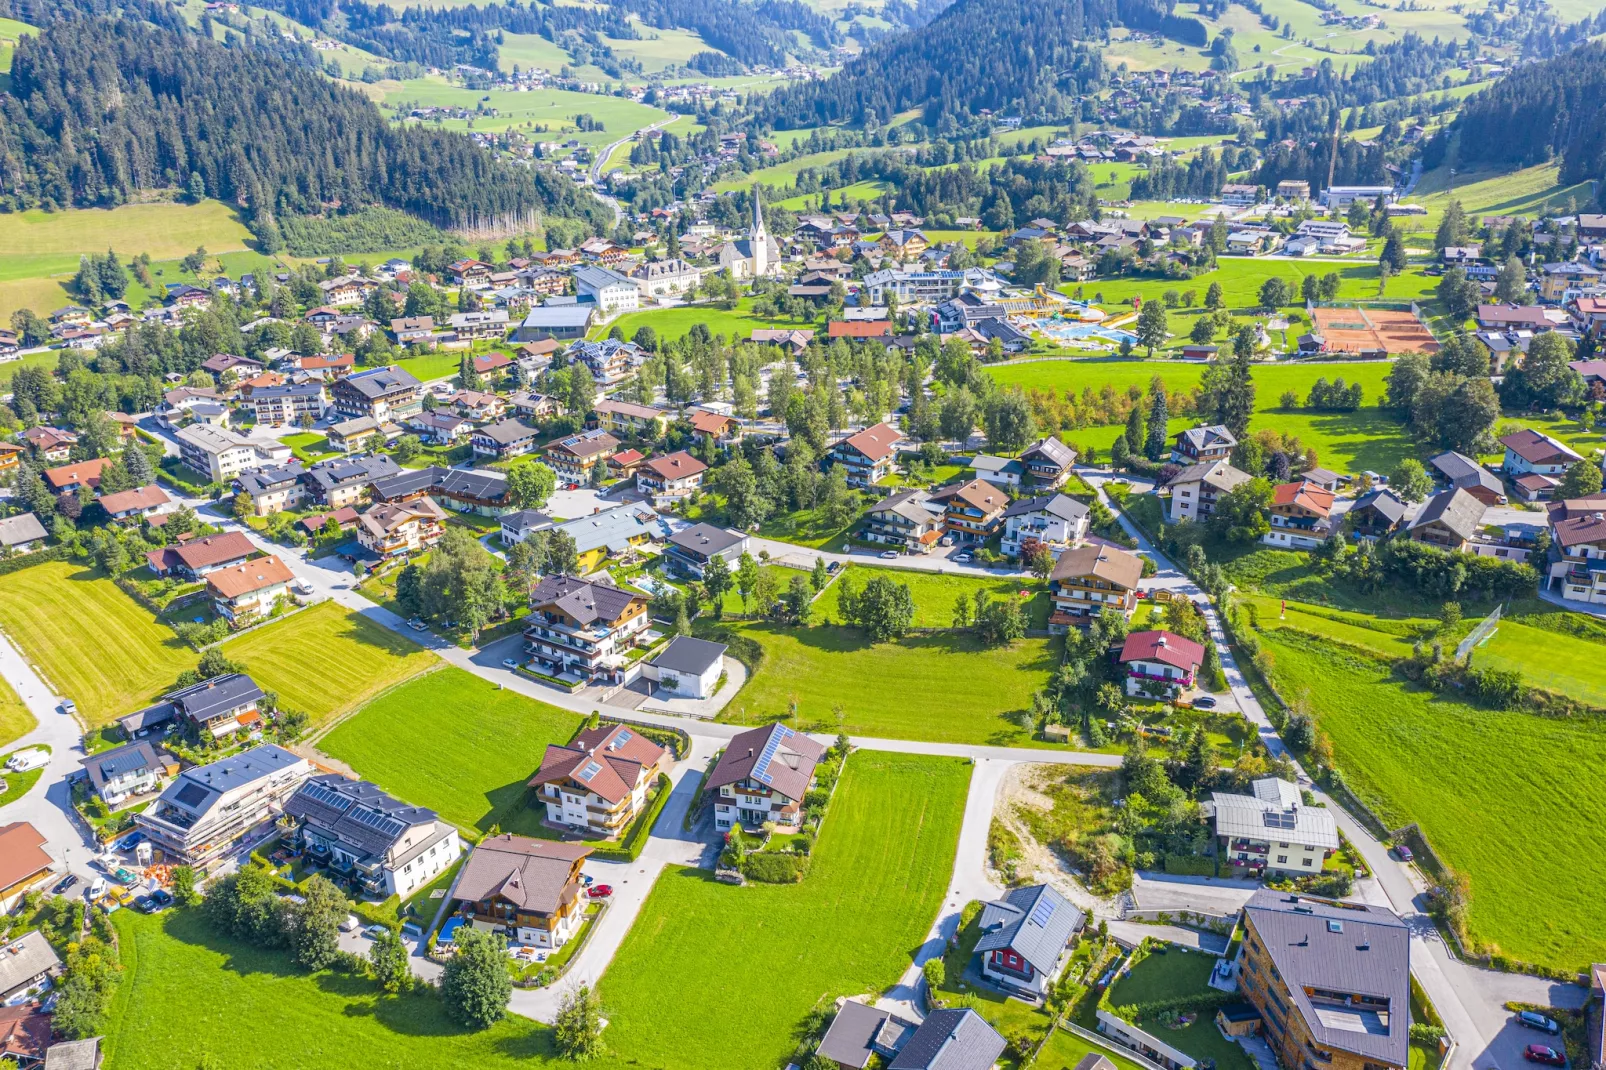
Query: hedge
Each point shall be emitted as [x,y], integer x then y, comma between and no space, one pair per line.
[34,557]
[635,840]
[775,867]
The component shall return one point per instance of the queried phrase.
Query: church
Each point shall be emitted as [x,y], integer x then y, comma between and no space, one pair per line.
[755,256]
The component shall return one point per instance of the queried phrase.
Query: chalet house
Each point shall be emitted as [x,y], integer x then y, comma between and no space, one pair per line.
[412,330]
[207,811]
[491,323]
[908,520]
[1377,514]
[1272,830]
[1025,941]
[672,476]
[129,771]
[614,532]
[526,889]
[1461,472]
[763,776]
[470,272]
[1332,981]
[972,511]
[50,443]
[440,428]
[1450,520]
[194,559]
[1529,452]
[868,456]
[535,406]
[626,419]
[337,484]
[715,428]
[1048,462]
[599,781]
[220,705]
[626,463]
[1201,445]
[1053,521]
[859,329]
[389,529]
[24,865]
[347,290]
[583,629]
[355,829]
[1087,580]
[609,361]
[244,593]
[219,364]
[1579,555]
[1160,663]
[1195,490]
[504,439]
[575,456]
[382,393]
[860,1032]
[135,504]
[1301,516]
[476,404]
[70,477]
[21,532]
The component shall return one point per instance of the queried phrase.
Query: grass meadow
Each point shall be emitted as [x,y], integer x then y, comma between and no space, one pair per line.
[676,322]
[1242,277]
[454,743]
[16,720]
[936,592]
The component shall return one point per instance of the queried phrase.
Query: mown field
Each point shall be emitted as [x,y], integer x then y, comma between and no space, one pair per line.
[1242,277]
[454,743]
[16,720]
[935,593]
[1496,792]
[676,322]
[550,110]
[95,644]
[879,871]
[327,661]
[945,688]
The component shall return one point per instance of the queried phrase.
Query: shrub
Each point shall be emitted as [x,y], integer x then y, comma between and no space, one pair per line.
[936,973]
[772,867]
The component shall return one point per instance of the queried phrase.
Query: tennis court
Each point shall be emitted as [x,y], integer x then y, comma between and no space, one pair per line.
[1373,331]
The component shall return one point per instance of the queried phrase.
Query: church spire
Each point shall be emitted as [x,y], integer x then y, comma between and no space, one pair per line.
[759,233]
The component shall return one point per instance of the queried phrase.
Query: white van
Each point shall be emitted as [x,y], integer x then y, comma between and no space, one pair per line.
[24,760]
[351,924]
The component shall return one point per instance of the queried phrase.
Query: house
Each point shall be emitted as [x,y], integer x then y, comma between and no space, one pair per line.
[1579,553]
[1000,471]
[467,272]
[28,966]
[1301,515]
[1341,197]
[672,476]
[128,771]
[528,890]
[1160,663]
[1529,451]
[219,705]
[627,419]
[392,528]
[1272,831]
[22,533]
[908,520]
[609,290]
[1463,473]
[492,364]
[763,776]
[135,504]
[24,865]
[504,439]
[319,523]
[1332,981]
[74,1055]
[70,477]
[659,278]
[951,1039]
[49,443]
[972,512]
[573,457]
[610,361]
[516,527]
[566,321]
[614,532]
[859,329]
[690,550]
[1025,941]
[440,428]
[1196,489]
[714,428]
[535,406]
[860,1031]
[244,593]
[1054,522]
[1240,194]
[1377,514]
[1556,280]
[1449,520]
[471,326]
[1520,317]
[412,330]
[25,1032]
[346,290]
[353,828]
[1088,579]
[219,364]
[868,455]
[192,560]
[1293,189]
[1201,445]
[361,433]
[339,483]
[583,629]
[1048,462]
[218,454]
[381,393]
[598,782]
[207,811]
[687,667]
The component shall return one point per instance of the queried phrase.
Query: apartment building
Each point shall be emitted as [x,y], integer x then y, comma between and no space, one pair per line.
[208,812]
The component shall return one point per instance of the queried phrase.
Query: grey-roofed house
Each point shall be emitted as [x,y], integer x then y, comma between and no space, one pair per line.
[1199,445]
[614,531]
[1463,473]
[1195,490]
[126,772]
[1449,520]
[525,888]
[951,1039]
[565,321]
[692,549]
[518,526]
[27,965]
[1377,513]
[208,810]
[1048,462]
[335,484]
[1329,979]
[583,631]
[909,520]
[379,393]
[389,847]
[1002,471]
[687,667]
[763,776]
[1272,830]
[74,1055]
[22,532]
[276,489]
[220,705]
[1055,522]
[1025,940]
[511,437]
[859,1031]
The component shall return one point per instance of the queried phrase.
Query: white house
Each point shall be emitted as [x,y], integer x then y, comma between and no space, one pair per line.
[763,776]
[1273,829]
[1530,452]
[1195,489]
[687,667]
[352,827]
[999,471]
[611,291]
[1056,521]
[598,781]
[1160,663]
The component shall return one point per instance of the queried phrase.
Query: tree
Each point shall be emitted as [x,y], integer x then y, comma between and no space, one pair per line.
[85,994]
[315,923]
[935,972]
[1452,227]
[1459,294]
[839,503]
[957,417]
[1411,481]
[408,447]
[820,576]
[744,499]
[1135,435]
[1213,297]
[578,1026]
[184,892]
[1039,561]
[1310,289]
[1511,285]
[530,484]
[884,609]
[1155,445]
[1151,330]
[1008,420]
[717,580]
[563,557]
[1203,330]
[476,984]
[1274,293]
[387,957]
[1240,513]
[1583,478]
[1393,254]
[1467,414]
[1545,380]
[747,574]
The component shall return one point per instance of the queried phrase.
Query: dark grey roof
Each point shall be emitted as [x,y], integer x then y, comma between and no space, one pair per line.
[506,432]
[150,716]
[1455,509]
[287,390]
[1051,449]
[403,483]
[1343,948]
[1035,922]
[585,602]
[691,656]
[213,698]
[491,486]
[128,758]
[957,1039]
[1384,502]
[527,520]
[1463,471]
[1212,435]
[265,479]
[858,1030]
[330,475]
[706,539]
[379,382]
[197,790]
[1060,505]
[355,814]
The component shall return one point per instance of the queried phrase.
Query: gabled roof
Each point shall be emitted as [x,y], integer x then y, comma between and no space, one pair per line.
[615,407]
[533,874]
[1304,494]
[585,602]
[23,959]
[986,462]
[507,432]
[679,465]
[197,790]
[951,1039]
[690,655]
[215,697]
[977,494]
[1462,471]
[1059,505]
[706,539]
[22,853]
[1167,648]
[129,758]
[355,814]
[1036,923]
[613,529]
[1536,448]
[1214,435]
[24,527]
[1274,812]
[860,1030]
[205,552]
[1384,502]
[1104,562]
[382,519]
[1051,450]
[1581,530]
[250,577]
[1217,474]
[1455,509]
[773,755]
[379,382]
[83,472]
[607,759]
[874,443]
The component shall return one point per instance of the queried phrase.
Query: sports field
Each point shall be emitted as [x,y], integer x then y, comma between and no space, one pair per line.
[327,661]
[1363,331]
[95,644]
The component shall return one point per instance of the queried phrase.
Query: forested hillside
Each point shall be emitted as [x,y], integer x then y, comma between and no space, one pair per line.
[102,108]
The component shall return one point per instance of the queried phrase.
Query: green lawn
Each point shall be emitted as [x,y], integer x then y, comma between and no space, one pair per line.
[1065,1049]
[1499,794]
[1171,975]
[936,592]
[16,720]
[550,111]
[676,322]
[327,661]
[454,743]
[944,688]
[95,644]
[882,862]
[1242,277]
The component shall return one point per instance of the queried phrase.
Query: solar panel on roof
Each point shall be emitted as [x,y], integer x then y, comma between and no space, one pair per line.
[322,793]
[377,821]
[1280,819]
[591,770]
[761,768]
[622,738]
[1042,912]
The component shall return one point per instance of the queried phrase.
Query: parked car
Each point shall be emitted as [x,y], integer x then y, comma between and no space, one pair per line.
[1404,853]
[510,663]
[416,625]
[145,904]
[374,932]
[64,885]
[131,841]
[1204,702]
[1540,1053]
[68,706]
[97,889]
[964,557]
[1534,1020]
[303,586]
[600,891]
[351,924]
[889,555]
[123,876]
[162,898]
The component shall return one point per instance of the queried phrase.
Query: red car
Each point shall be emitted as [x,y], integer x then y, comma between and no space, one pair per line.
[600,891]
[1539,1053]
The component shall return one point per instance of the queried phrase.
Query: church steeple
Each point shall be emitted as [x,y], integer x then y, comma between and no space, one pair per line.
[759,233]
[759,238]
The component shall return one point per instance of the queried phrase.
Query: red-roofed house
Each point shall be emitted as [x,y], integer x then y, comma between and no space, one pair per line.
[673,475]
[24,1034]
[248,591]
[859,329]
[23,863]
[196,558]
[492,362]
[1301,515]
[599,781]
[135,504]
[1160,664]
[69,477]
[713,427]
[1529,451]
[1580,543]
[625,462]
[869,454]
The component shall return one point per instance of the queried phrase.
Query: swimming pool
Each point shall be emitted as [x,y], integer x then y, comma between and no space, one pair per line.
[1077,332]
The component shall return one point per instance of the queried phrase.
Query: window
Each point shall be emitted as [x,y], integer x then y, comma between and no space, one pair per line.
[1307,863]
[1282,859]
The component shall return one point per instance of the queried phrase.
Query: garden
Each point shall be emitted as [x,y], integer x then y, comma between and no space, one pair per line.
[1166,993]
